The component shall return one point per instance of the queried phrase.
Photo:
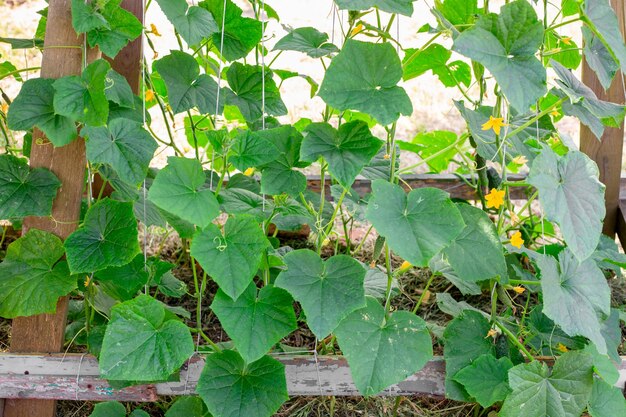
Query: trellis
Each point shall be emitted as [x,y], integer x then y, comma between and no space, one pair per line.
[32,378]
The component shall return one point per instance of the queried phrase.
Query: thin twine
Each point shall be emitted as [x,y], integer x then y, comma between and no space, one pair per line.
[263,87]
[217,95]
[80,364]
[143,111]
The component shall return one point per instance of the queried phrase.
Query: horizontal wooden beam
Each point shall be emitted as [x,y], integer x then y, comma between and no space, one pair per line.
[76,377]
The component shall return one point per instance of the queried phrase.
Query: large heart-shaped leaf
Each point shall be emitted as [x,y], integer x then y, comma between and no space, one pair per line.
[123,282]
[180,188]
[33,107]
[435,58]
[121,27]
[123,144]
[404,7]
[241,34]
[279,175]
[383,351]
[606,400]
[603,18]
[575,295]
[506,45]
[31,276]
[418,225]
[478,236]
[186,87]
[585,105]
[240,201]
[364,77]
[308,40]
[327,290]
[118,90]
[247,84]
[486,379]
[143,342]
[537,392]
[25,192]
[346,150]
[108,408]
[458,12]
[108,237]
[253,149]
[233,258]
[256,322]
[230,387]
[83,98]
[599,58]
[465,339]
[188,407]
[192,22]
[572,196]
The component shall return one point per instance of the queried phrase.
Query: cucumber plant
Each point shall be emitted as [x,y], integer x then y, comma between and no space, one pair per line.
[545,274]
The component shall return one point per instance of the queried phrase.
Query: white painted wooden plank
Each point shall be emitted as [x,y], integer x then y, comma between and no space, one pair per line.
[76,377]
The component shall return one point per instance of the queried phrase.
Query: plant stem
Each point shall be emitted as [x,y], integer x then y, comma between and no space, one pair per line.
[424,291]
[514,339]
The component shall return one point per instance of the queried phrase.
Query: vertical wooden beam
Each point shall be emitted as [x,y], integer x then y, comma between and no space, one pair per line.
[607,153]
[45,332]
[128,61]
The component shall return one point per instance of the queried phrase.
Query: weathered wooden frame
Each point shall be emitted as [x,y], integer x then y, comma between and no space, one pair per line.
[33,376]
[77,377]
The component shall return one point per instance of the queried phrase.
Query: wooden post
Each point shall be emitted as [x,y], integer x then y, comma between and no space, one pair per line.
[45,332]
[128,64]
[607,153]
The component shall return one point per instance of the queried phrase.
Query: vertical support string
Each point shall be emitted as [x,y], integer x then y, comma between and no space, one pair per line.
[262,85]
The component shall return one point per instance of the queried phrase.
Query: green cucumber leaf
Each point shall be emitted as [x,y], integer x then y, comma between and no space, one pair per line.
[416,225]
[241,34]
[458,12]
[252,149]
[506,45]
[327,290]
[188,407]
[256,322]
[599,58]
[108,237]
[478,236]
[192,22]
[125,145]
[572,196]
[431,146]
[308,40]
[122,28]
[279,175]
[606,400]
[246,82]
[25,192]
[602,16]
[575,295]
[364,77]
[32,277]
[230,387]
[180,189]
[123,282]
[435,58]
[347,150]
[83,98]
[486,379]
[383,351]
[108,408]
[118,90]
[186,87]
[240,201]
[143,342]
[537,392]
[404,7]
[86,16]
[33,107]
[465,339]
[231,258]
[582,98]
